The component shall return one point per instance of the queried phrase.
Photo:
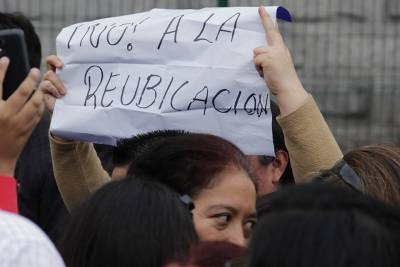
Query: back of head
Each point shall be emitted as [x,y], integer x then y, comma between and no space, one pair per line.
[19,21]
[324,225]
[127,150]
[378,171]
[128,223]
[188,163]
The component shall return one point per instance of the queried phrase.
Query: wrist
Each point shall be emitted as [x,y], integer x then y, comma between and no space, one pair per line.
[291,99]
[7,168]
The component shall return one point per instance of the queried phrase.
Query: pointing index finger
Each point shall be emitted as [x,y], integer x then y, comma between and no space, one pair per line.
[271,31]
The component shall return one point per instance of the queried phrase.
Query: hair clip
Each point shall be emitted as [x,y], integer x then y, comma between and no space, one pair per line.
[187,201]
[347,174]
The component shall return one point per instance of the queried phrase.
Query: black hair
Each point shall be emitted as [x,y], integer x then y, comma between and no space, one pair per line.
[279,144]
[131,223]
[19,21]
[189,163]
[130,148]
[325,225]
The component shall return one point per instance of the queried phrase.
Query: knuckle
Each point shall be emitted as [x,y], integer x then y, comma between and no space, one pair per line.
[25,91]
[47,76]
[18,126]
[47,85]
[37,102]
[43,85]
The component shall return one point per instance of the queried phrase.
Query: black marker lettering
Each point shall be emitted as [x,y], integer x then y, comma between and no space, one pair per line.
[250,111]
[88,81]
[96,44]
[166,92]
[215,97]
[120,37]
[221,29]
[260,107]
[237,101]
[204,100]
[174,94]
[106,89]
[129,47]
[202,30]
[149,88]
[175,31]
[83,37]
[143,20]
[72,35]
[134,95]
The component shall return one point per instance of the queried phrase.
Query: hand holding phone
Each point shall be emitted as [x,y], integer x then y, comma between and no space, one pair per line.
[18,117]
[13,46]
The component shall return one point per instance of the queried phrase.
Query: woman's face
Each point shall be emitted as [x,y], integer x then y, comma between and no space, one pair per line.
[227,210]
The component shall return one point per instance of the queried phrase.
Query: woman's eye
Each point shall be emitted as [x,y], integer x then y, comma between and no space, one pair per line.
[222,219]
[248,228]
[250,224]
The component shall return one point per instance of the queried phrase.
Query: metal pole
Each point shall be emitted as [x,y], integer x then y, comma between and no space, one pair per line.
[223,3]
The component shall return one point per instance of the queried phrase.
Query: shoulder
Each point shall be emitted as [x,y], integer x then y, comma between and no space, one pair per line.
[22,243]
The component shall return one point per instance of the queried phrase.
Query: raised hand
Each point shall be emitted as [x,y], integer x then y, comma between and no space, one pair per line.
[19,115]
[275,64]
[51,84]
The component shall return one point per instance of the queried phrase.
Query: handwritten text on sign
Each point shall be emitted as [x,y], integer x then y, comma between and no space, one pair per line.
[166,69]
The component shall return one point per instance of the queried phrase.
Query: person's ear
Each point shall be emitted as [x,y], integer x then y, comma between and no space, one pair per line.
[119,172]
[279,165]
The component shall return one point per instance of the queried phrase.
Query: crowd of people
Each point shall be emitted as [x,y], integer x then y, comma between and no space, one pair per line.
[179,199]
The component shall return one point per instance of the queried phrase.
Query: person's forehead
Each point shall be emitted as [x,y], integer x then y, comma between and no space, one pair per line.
[233,190]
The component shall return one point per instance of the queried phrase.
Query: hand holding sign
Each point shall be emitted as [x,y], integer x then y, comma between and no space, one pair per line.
[51,85]
[275,64]
[184,69]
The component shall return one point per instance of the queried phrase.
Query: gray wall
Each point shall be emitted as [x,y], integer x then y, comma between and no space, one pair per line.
[345,51]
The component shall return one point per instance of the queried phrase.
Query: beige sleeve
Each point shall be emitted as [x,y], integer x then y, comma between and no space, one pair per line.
[310,142]
[77,170]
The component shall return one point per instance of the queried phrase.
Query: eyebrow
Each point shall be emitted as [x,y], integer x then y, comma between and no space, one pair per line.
[253,215]
[223,206]
[231,209]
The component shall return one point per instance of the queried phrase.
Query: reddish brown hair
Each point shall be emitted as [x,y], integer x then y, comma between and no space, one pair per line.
[190,162]
[214,254]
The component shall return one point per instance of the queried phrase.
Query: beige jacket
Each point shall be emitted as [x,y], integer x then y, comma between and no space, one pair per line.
[311,145]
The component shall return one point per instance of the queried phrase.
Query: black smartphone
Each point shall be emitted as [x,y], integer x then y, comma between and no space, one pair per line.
[13,46]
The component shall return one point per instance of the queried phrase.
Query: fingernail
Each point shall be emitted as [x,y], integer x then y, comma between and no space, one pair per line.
[35,72]
[4,60]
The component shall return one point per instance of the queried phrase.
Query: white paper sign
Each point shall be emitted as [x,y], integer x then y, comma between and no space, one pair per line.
[166,69]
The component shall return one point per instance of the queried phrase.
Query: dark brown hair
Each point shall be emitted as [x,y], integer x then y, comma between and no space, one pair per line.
[19,21]
[322,225]
[189,163]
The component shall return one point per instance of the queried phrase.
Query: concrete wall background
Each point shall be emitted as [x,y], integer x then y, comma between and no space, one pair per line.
[346,53]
